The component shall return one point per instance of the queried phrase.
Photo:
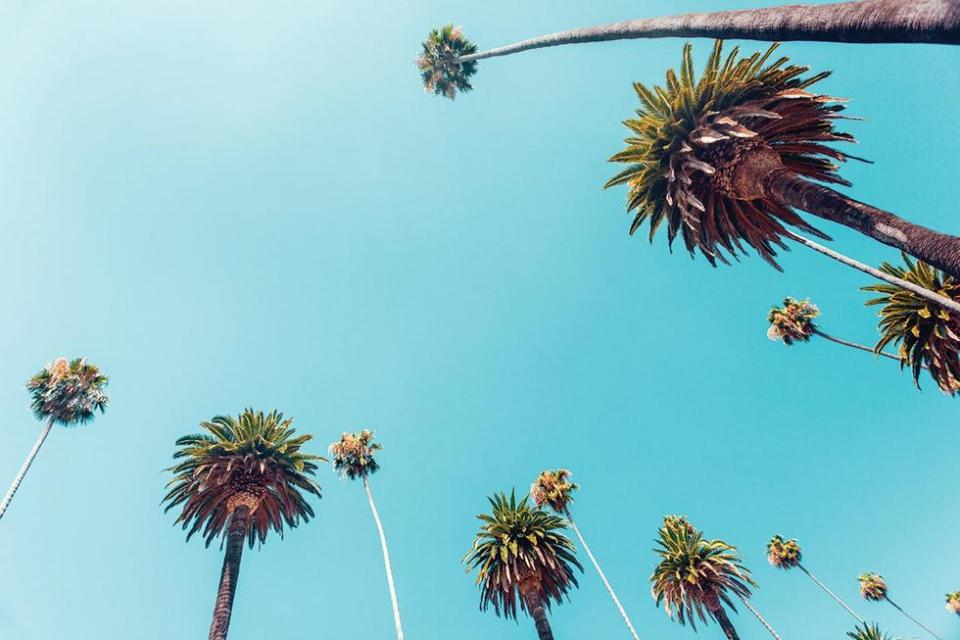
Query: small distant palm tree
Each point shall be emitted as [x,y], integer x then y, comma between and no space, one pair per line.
[442,71]
[928,336]
[866,631]
[554,489]
[874,588]
[521,554]
[64,392]
[353,457]
[241,478]
[696,577]
[786,554]
[953,602]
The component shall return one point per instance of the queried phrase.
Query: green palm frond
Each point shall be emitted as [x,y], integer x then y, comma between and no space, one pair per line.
[783,554]
[869,632]
[68,392]
[353,454]
[953,602]
[872,586]
[553,488]
[253,460]
[792,322]
[441,71]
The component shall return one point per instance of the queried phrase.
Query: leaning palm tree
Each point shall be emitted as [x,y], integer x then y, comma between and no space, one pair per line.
[554,489]
[353,457]
[239,479]
[521,554]
[696,577]
[928,337]
[953,602]
[64,392]
[874,588]
[866,631]
[786,554]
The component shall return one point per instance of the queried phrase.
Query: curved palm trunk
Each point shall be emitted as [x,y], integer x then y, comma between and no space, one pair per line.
[861,347]
[917,622]
[606,583]
[759,617]
[867,21]
[831,594]
[26,467]
[223,608]
[386,560]
[721,617]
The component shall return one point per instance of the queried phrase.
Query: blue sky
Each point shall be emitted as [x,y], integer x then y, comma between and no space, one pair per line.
[254,204]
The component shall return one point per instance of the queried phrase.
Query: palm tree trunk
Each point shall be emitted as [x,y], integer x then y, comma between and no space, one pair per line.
[236,535]
[26,467]
[861,347]
[766,624]
[867,21]
[386,561]
[539,614]
[917,622]
[831,593]
[721,617]
[606,583]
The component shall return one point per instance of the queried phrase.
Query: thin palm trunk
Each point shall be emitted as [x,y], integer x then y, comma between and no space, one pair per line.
[917,622]
[853,345]
[867,21]
[831,593]
[386,561]
[236,535]
[26,467]
[721,617]
[606,583]
[766,624]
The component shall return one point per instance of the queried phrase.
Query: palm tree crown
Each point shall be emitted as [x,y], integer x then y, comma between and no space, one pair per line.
[688,137]
[953,602]
[353,454]
[68,392]
[927,335]
[519,544]
[783,554]
[554,489]
[872,586]
[253,460]
[869,632]
[793,322]
[440,69]
[696,575]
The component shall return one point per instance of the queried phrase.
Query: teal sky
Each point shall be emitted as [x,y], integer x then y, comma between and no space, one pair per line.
[231,204]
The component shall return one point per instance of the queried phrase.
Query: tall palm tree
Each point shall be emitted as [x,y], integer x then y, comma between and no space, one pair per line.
[696,577]
[869,632]
[874,588]
[240,478]
[953,602]
[520,553]
[928,337]
[554,489]
[786,554]
[64,392]
[353,457]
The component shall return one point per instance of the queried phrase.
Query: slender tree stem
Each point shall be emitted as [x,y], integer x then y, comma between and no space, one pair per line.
[223,609]
[831,593]
[721,617]
[606,583]
[386,560]
[917,622]
[26,467]
[854,345]
[759,617]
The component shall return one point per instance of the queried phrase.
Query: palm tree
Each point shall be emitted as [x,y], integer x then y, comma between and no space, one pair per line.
[696,577]
[953,602]
[239,479]
[554,489]
[786,554]
[874,588]
[866,631]
[440,67]
[67,393]
[928,337]
[353,457]
[520,553]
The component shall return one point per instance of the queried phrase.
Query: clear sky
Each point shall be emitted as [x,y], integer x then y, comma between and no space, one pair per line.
[231,204]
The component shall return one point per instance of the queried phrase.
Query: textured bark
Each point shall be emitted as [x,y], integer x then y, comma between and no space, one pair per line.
[26,467]
[861,347]
[766,625]
[831,593]
[721,617]
[532,596]
[917,622]
[867,21]
[386,560]
[236,535]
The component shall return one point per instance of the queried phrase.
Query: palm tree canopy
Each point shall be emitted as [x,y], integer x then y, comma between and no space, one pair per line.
[688,137]
[517,544]
[925,333]
[953,602]
[793,322]
[553,488]
[441,71]
[68,392]
[253,460]
[872,586]
[869,632]
[696,575]
[783,554]
[353,454]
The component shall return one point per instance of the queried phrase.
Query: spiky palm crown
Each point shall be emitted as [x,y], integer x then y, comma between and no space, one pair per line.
[869,632]
[554,489]
[783,554]
[926,334]
[953,602]
[254,460]
[872,586]
[696,576]
[520,548]
[689,136]
[68,392]
[353,454]
[792,322]
[439,64]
